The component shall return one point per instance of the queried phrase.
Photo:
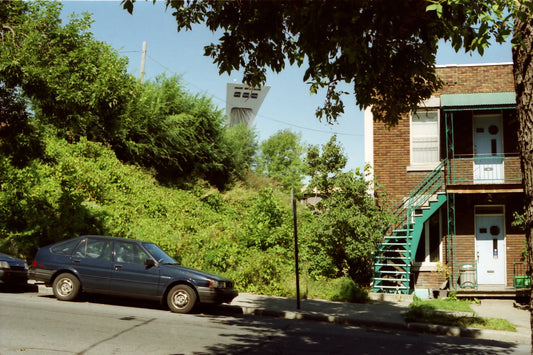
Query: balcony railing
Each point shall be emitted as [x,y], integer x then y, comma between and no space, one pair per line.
[499,169]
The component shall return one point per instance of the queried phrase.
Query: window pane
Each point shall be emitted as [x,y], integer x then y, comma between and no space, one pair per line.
[130,253]
[425,137]
[99,249]
[65,248]
[80,250]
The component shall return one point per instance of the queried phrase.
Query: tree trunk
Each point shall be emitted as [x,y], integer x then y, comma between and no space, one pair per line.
[523,77]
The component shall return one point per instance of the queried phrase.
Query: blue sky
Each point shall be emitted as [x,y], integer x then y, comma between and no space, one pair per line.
[288,105]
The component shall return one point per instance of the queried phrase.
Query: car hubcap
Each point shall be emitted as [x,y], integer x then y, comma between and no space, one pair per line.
[64,287]
[181,299]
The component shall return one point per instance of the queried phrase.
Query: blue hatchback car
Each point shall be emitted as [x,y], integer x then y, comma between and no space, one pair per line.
[126,267]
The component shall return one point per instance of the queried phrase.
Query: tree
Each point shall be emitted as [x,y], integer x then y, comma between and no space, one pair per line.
[385,48]
[20,140]
[178,134]
[323,168]
[74,82]
[280,158]
[242,144]
[348,223]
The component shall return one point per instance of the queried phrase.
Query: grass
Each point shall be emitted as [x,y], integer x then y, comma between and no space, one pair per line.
[431,311]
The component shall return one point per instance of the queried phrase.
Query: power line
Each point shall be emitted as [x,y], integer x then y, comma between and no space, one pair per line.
[259,115]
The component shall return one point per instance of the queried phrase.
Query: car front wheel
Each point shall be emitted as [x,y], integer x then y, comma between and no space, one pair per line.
[181,299]
[66,287]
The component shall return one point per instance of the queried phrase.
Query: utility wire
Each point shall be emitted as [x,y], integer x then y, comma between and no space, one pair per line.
[259,115]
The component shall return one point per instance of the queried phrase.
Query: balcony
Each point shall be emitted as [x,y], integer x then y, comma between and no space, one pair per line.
[494,173]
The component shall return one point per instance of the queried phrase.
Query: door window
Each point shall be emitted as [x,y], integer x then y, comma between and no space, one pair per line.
[131,253]
[94,249]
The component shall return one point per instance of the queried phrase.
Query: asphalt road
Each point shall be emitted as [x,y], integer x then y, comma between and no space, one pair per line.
[32,323]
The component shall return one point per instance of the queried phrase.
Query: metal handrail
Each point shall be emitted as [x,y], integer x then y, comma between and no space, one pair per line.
[421,193]
[489,169]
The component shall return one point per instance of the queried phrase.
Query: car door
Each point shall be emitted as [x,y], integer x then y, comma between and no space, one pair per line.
[130,276]
[92,259]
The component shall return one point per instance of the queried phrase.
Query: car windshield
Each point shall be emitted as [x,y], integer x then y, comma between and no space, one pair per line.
[159,254]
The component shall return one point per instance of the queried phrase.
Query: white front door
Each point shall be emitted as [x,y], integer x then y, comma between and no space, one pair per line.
[490,250]
[488,159]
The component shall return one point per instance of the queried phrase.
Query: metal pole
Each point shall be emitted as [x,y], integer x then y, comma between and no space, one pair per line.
[295,246]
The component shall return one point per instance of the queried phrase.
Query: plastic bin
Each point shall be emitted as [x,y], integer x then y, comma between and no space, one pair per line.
[522,281]
[467,276]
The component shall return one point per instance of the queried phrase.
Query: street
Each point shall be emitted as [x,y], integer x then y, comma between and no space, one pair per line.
[37,323]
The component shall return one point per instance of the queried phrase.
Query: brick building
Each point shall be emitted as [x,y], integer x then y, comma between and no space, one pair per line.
[453,169]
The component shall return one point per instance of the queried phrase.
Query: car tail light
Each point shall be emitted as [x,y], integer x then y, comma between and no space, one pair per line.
[35,264]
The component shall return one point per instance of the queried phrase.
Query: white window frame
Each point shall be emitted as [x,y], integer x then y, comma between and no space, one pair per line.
[424,165]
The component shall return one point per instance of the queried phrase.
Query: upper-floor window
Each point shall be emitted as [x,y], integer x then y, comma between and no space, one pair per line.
[425,137]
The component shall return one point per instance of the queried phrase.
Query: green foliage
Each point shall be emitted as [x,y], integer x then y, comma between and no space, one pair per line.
[76,83]
[453,312]
[280,157]
[45,202]
[373,46]
[179,135]
[96,146]
[242,145]
[20,138]
[267,224]
[323,165]
[472,25]
[519,220]
[347,223]
[349,291]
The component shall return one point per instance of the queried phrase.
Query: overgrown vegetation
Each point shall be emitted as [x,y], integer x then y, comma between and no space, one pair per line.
[86,149]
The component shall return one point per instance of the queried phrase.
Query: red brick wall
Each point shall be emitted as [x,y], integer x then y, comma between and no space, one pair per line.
[392,146]
[514,243]
[392,157]
[476,79]
[429,279]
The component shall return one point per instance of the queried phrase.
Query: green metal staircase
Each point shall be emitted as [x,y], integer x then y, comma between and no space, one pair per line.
[395,255]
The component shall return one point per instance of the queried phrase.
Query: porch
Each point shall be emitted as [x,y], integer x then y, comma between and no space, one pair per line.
[486,174]
[489,291]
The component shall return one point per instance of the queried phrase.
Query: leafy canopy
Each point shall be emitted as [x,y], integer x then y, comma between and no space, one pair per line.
[74,82]
[281,157]
[376,46]
[347,222]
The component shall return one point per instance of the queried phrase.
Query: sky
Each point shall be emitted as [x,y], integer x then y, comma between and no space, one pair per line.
[288,105]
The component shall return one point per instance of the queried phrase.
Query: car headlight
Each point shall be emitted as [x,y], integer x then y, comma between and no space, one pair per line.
[4,265]
[217,284]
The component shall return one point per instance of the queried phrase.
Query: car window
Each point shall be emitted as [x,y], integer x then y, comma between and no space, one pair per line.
[132,253]
[92,248]
[159,254]
[65,248]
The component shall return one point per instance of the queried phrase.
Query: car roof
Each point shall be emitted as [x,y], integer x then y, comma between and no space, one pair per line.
[104,237]
[6,257]
[113,238]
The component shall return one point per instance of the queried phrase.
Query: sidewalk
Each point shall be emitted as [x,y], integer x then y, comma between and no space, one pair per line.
[386,311]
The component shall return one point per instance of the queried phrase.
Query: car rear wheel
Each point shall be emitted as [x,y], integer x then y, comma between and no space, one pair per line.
[181,299]
[66,287]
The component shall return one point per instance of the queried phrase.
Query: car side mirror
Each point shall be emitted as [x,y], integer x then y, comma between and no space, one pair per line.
[149,263]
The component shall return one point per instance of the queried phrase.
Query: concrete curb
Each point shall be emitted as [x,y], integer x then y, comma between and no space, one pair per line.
[435,329]
[361,322]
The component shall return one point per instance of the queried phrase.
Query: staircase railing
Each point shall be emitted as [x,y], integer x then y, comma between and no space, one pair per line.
[420,195]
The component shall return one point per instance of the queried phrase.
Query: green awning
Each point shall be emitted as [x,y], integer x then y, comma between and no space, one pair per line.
[492,100]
